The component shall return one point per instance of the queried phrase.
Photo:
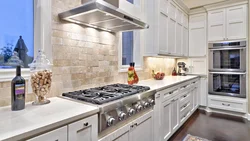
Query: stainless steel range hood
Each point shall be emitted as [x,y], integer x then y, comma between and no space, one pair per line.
[104,15]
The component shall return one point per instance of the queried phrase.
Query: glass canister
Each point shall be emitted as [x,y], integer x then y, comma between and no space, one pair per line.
[41,78]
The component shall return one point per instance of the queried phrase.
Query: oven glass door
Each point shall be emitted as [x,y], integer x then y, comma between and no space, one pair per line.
[227,84]
[228,59]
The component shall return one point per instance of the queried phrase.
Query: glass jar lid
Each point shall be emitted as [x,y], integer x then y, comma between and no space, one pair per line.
[41,61]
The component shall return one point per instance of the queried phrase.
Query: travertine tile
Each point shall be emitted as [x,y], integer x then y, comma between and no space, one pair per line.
[84,57]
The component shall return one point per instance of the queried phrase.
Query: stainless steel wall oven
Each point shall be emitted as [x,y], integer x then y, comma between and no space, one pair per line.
[229,56]
[227,83]
[227,68]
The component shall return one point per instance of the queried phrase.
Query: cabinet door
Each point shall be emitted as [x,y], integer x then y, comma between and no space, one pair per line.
[195,97]
[121,134]
[84,130]
[203,92]
[166,116]
[163,21]
[59,134]
[143,129]
[164,6]
[185,41]
[198,66]
[236,22]
[175,110]
[179,49]
[197,35]
[216,25]
[171,36]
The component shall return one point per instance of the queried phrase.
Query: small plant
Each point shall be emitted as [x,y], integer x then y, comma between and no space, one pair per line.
[7,51]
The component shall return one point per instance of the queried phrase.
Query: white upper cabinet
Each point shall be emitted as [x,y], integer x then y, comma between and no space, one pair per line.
[198,66]
[166,34]
[171,36]
[185,41]
[227,23]
[197,35]
[163,22]
[236,22]
[216,25]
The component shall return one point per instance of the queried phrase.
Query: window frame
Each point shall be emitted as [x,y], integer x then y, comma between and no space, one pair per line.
[138,36]
[42,20]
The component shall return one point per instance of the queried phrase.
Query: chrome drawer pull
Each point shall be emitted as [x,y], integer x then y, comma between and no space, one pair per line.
[225,104]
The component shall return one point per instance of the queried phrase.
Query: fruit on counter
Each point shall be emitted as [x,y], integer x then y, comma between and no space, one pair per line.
[158,75]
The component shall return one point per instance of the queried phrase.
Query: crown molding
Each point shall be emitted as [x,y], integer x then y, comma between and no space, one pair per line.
[197,10]
[182,5]
[225,4]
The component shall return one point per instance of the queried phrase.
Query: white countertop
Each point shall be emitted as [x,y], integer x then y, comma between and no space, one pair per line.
[36,119]
[168,81]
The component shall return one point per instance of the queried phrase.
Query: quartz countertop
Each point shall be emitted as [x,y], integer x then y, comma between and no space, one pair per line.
[15,125]
[167,82]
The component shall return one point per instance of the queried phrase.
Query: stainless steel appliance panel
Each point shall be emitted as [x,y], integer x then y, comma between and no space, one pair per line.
[227,59]
[227,84]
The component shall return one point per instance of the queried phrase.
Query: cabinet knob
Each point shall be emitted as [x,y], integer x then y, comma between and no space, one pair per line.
[86,124]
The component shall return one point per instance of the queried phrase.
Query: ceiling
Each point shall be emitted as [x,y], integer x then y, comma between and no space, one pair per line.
[198,3]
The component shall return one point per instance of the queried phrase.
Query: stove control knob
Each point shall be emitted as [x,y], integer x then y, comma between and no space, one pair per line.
[122,116]
[138,107]
[110,121]
[151,101]
[131,111]
[145,104]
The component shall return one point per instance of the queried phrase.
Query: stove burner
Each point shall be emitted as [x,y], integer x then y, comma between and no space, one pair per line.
[100,95]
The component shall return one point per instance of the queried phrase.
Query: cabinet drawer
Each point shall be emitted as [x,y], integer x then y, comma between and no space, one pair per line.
[185,88]
[185,116]
[185,109]
[224,104]
[84,130]
[59,134]
[185,97]
[169,93]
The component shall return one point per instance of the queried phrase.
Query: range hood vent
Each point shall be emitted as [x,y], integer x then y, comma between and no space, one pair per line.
[103,15]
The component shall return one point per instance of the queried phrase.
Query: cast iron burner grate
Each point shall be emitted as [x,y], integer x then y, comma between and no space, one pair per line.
[100,95]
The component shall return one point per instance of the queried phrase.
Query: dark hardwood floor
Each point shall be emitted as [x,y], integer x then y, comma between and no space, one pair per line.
[215,127]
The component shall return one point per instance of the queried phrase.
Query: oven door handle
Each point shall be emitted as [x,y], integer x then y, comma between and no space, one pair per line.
[228,48]
[239,73]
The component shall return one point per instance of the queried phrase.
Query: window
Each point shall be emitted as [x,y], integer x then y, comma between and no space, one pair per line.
[130,46]
[21,35]
[17,33]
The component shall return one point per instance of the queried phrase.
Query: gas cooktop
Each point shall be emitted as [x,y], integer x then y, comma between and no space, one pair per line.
[100,95]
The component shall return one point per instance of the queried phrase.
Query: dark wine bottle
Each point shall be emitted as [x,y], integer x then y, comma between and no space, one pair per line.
[18,91]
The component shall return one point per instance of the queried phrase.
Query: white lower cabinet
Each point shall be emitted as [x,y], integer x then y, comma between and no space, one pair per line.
[84,130]
[203,91]
[59,134]
[166,120]
[175,114]
[173,107]
[143,128]
[140,129]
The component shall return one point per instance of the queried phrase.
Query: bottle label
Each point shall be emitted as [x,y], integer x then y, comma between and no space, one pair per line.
[19,89]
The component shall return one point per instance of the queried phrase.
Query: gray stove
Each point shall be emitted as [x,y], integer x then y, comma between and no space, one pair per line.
[117,102]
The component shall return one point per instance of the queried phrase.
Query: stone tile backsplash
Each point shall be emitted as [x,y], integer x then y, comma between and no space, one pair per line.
[84,57]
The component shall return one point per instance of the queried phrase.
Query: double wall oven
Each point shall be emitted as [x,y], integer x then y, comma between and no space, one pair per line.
[227,68]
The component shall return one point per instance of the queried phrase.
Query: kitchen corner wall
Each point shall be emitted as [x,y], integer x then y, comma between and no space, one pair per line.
[84,57]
